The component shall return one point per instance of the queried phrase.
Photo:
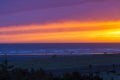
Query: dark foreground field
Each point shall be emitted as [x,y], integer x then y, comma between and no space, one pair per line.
[57,65]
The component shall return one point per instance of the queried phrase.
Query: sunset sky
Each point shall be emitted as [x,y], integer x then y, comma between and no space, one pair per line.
[59,21]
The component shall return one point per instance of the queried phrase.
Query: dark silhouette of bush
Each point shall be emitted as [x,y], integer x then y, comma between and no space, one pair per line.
[11,73]
[5,70]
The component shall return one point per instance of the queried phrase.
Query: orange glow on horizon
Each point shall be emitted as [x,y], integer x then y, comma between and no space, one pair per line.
[68,24]
[63,32]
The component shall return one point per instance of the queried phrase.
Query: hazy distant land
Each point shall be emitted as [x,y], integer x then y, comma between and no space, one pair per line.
[62,61]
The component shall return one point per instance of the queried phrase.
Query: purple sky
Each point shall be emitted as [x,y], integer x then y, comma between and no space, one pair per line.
[12,6]
[27,12]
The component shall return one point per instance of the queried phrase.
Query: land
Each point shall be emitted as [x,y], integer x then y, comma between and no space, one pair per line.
[62,61]
[106,64]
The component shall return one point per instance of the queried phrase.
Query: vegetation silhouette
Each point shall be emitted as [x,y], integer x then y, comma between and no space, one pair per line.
[8,72]
[5,70]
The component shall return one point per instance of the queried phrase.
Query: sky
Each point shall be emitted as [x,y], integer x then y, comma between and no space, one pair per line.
[59,21]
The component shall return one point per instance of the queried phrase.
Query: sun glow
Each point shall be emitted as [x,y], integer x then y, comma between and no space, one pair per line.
[69,31]
[114,33]
[64,25]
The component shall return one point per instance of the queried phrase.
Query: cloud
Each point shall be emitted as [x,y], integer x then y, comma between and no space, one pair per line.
[60,27]
[59,21]
[103,11]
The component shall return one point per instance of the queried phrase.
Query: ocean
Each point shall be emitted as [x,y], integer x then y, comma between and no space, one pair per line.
[59,48]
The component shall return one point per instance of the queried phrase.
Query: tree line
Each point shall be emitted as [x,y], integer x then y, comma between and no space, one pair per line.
[10,72]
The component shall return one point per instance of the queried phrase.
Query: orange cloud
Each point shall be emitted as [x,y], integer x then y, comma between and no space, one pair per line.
[71,31]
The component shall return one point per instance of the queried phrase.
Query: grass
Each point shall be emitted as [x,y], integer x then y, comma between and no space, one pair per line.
[61,62]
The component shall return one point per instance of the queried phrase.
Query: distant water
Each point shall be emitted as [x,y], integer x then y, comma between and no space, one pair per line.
[59,48]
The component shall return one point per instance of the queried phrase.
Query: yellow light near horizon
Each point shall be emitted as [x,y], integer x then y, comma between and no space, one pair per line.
[114,33]
[64,25]
[88,36]
[84,32]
